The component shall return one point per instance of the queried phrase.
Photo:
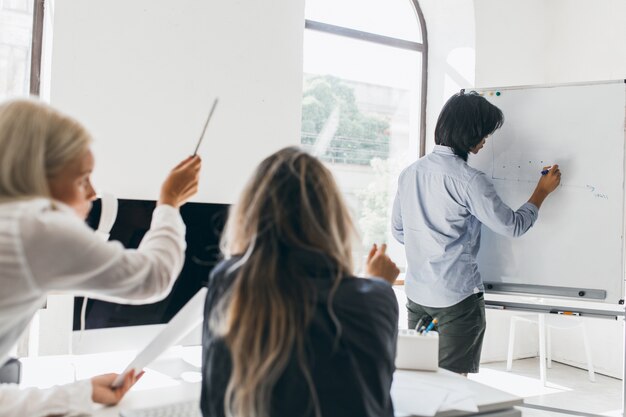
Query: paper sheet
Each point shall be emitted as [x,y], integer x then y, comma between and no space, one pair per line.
[187,319]
[413,397]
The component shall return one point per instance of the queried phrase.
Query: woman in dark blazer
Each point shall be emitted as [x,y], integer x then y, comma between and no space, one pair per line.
[289,330]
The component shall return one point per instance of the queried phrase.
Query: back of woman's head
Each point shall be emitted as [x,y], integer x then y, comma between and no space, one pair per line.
[465,120]
[291,203]
[36,142]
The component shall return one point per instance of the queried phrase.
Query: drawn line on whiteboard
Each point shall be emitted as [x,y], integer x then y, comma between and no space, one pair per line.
[587,187]
[582,187]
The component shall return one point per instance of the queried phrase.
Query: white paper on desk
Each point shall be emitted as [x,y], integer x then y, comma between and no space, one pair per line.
[417,401]
[461,401]
[412,397]
[187,319]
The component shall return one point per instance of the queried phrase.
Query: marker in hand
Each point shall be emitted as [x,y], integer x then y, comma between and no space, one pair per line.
[548,169]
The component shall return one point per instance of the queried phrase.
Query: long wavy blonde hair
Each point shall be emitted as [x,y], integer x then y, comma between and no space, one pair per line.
[36,141]
[291,202]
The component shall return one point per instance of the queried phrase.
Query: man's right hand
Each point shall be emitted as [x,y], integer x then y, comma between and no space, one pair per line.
[548,183]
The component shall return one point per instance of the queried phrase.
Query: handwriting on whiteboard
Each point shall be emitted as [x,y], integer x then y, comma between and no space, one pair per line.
[592,189]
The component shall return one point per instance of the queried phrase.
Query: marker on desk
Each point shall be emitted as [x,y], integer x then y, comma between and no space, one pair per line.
[431,325]
[565,313]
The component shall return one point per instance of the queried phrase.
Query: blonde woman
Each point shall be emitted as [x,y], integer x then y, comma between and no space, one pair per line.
[45,194]
[289,330]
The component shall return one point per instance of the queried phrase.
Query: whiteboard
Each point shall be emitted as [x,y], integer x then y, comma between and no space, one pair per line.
[576,247]
[141,75]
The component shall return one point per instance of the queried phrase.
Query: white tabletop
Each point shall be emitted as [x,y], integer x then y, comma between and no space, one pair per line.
[176,377]
[487,399]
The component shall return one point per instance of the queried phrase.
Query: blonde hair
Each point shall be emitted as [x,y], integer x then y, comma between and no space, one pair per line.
[291,202]
[36,141]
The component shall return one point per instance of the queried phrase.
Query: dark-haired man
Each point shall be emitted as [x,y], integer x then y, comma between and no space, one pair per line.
[437,214]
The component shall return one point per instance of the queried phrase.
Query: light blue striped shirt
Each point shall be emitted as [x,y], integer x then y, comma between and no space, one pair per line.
[437,215]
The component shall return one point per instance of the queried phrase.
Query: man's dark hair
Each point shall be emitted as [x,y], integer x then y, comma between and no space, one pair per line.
[465,120]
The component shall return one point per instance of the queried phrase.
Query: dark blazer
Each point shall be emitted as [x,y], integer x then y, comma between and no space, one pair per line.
[352,377]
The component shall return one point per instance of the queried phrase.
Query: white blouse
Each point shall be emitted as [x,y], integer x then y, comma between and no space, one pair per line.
[45,247]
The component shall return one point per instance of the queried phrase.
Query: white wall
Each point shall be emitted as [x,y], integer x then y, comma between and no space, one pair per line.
[587,40]
[511,42]
[525,42]
[450,26]
[142,76]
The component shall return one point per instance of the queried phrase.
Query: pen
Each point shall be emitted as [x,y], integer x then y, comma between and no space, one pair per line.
[545,171]
[195,152]
[431,325]
[419,323]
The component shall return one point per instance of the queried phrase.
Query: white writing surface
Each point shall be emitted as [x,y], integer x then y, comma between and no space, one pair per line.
[577,242]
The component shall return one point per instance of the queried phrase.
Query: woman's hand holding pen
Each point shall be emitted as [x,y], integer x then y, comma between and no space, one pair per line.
[378,264]
[181,183]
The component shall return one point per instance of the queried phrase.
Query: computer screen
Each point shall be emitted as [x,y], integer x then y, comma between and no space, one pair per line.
[204,222]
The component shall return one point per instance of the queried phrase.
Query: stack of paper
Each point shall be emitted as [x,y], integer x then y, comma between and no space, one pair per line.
[413,397]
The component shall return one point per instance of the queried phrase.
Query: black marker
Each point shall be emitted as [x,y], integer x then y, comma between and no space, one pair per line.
[565,313]
[205,126]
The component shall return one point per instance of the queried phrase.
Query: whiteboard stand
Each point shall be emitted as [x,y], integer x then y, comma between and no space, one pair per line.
[576,251]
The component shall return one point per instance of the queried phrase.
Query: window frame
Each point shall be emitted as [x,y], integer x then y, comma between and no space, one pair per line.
[36,47]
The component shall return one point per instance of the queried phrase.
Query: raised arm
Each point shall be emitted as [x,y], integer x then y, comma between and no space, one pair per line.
[63,254]
[484,203]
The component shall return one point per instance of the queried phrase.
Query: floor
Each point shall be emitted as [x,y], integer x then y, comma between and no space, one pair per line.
[567,388]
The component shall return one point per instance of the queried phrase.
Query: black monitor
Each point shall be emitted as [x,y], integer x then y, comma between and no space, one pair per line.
[204,222]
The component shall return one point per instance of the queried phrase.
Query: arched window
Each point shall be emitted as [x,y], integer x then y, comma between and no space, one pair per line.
[364,100]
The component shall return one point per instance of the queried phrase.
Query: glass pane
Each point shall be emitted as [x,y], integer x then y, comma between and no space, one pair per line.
[18,5]
[360,115]
[16,27]
[394,18]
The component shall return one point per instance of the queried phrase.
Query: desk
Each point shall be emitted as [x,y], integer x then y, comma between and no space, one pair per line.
[175,377]
[490,401]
